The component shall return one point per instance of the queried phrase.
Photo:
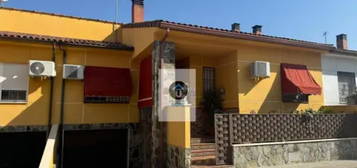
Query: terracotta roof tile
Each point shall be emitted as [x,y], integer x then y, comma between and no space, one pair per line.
[228,33]
[63,40]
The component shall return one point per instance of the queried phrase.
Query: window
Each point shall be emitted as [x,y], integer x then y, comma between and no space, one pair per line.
[13,83]
[208,78]
[346,86]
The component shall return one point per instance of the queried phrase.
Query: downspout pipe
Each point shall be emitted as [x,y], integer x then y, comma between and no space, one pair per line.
[64,60]
[50,111]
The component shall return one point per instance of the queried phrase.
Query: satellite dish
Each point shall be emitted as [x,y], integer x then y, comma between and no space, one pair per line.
[37,68]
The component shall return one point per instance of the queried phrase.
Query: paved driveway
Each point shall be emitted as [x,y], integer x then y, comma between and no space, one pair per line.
[329,164]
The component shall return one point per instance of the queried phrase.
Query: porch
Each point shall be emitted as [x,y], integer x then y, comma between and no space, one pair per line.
[216,69]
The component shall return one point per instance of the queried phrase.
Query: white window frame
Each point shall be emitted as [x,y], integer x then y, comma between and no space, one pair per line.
[338,76]
[25,73]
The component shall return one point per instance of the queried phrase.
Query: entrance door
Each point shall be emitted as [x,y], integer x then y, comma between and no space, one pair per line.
[95,148]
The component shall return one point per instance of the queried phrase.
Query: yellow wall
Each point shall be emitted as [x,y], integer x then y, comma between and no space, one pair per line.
[226,76]
[35,112]
[264,96]
[232,59]
[140,38]
[343,108]
[179,132]
[45,24]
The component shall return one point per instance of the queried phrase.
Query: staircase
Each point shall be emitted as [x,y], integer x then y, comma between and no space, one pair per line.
[203,154]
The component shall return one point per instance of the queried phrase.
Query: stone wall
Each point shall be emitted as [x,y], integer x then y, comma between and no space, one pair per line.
[28,128]
[178,157]
[282,153]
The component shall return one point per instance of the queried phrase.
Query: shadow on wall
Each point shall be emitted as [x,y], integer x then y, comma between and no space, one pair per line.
[264,95]
[114,36]
[35,111]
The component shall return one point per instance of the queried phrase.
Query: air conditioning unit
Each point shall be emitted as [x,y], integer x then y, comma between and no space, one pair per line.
[42,68]
[261,69]
[74,72]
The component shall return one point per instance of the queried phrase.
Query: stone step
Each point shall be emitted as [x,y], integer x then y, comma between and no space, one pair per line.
[202,140]
[203,152]
[203,160]
[198,146]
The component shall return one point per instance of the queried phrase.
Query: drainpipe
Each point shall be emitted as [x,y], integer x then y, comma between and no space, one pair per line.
[64,60]
[51,93]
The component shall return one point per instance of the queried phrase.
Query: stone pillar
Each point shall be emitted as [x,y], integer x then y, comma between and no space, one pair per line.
[170,141]
[178,139]
[163,56]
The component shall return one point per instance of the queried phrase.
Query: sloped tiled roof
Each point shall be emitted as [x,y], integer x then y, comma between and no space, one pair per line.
[62,40]
[228,33]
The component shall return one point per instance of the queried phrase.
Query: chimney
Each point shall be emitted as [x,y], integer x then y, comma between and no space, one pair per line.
[257,29]
[236,27]
[341,41]
[137,11]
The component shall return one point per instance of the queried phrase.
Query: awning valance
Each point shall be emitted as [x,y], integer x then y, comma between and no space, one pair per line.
[296,79]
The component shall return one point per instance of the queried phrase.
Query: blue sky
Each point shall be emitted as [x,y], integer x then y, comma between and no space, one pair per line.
[300,19]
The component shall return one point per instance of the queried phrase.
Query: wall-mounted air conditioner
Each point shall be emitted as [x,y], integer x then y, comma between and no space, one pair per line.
[260,69]
[42,68]
[74,72]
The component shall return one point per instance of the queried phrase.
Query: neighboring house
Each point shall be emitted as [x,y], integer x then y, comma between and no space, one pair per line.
[31,105]
[339,75]
[116,104]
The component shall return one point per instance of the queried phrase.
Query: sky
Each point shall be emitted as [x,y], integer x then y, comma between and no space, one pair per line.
[299,19]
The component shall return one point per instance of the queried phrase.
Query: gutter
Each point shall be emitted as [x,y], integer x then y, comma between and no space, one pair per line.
[61,143]
[64,43]
[229,34]
[243,36]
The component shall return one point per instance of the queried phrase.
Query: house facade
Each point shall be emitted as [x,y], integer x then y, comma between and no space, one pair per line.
[339,69]
[116,102]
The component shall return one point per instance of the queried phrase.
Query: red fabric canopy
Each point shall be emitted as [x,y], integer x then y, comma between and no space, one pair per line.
[145,83]
[297,79]
[107,82]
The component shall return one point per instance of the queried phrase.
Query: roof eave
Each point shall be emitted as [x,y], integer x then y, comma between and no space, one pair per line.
[60,42]
[228,34]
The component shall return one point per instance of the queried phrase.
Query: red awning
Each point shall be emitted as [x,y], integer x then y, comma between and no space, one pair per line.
[107,82]
[297,79]
[145,83]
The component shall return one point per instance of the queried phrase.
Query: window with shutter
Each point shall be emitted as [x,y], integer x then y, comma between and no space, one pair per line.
[13,83]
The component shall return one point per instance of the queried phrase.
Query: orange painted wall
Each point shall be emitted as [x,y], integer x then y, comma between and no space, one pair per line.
[46,24]
[35,112]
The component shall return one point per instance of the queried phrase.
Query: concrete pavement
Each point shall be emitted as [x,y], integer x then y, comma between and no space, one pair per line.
[326,164]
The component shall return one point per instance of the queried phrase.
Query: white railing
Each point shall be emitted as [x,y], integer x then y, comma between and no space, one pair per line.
[47,160]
